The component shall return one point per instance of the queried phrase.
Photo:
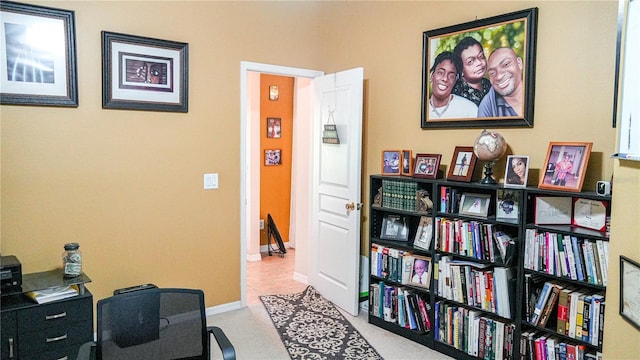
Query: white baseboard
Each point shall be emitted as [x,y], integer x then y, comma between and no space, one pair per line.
[219,309]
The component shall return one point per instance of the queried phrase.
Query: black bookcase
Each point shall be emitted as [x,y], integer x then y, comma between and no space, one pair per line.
[471,272]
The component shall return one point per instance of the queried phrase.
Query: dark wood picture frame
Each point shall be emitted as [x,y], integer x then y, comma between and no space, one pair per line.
[391,162]
[516,31]
[406,165]
[426,166]
[463,163]
[54,81]
[142,73]
[274,128]
[629,285]
[565,166]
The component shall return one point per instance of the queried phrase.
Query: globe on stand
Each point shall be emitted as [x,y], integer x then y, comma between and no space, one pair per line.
[490,147]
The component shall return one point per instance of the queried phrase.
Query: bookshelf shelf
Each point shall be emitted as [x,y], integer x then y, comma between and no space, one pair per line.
[478,263]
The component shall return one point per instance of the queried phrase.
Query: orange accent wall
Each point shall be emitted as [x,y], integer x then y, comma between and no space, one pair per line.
[275,180]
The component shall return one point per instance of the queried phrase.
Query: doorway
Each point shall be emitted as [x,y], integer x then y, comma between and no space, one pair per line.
[250,166]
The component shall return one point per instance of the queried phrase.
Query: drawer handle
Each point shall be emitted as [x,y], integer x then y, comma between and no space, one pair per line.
[63,337]
[10,348]
[56,316]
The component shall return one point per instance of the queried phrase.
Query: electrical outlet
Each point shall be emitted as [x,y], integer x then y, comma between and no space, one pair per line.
[261,224]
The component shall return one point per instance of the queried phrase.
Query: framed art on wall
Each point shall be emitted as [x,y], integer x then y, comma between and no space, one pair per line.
[629,294]
[141,73]
[565,166]
[274,128]
[480,73]
[272,157]
[38,56]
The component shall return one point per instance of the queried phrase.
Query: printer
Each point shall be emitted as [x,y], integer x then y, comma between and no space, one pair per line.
[10,273]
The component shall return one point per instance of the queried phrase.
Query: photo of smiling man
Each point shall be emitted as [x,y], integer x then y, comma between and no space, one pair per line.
[506,97]
[442,103]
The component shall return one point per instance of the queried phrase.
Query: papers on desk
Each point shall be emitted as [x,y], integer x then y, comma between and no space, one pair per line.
[53,294]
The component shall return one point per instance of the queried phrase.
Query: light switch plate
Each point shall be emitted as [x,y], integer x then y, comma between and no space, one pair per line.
[210,181]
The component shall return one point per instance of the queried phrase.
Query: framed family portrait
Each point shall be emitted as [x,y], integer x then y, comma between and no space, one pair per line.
[565,166]
[272,157]
[426,166]
[141,73]
[475,204]
[480,73]
[407,163]
[462,164]
[274,128]
[516,171]
[37,56]
[391,162]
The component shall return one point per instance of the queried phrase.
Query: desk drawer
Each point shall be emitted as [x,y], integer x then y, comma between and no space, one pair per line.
[35,343]
[58,313]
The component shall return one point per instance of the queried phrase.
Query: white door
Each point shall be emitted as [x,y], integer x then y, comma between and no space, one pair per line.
[335,243]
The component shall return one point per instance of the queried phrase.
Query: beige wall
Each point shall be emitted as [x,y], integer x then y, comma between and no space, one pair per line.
[127,185]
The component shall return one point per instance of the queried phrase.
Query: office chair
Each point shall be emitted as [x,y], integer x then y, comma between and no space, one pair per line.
[159,324]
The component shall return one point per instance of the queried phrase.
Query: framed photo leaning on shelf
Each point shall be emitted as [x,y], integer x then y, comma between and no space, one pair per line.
[475,204]
[462,164]
[426,166]
[407,163]
[424,233]
[421,271]
[38,56]
[516,171]
[565,166]
[394,227]
[391,162]
[507,204]
[629,295]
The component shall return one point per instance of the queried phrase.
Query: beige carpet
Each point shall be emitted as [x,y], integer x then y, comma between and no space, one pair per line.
[252,333]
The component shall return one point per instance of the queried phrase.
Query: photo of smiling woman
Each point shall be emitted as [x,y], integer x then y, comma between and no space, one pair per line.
[517,170]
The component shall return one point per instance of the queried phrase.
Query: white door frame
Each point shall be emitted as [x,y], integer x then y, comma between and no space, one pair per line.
[247,228]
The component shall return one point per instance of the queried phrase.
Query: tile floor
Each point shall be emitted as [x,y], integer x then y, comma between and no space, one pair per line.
[273,275]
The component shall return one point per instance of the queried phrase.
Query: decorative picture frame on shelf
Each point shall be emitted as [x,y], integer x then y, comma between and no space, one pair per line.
[509,40]
[463,163]
[590,214]
[272,157]
[426,166]
[407,163]
[424,234]
[516,171]
[565,166]
[33,71]
[421,271]
[274,128]
[391,162]
[394,227]
[629,295]
[142,73]
[475,205]
[507,204]
[552,210]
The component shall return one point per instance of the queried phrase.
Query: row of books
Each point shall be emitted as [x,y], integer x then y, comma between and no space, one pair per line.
[538,345]
[567,256]
[487,288]
[449,199]
[397,265]
[52,294]
[474,239]
[578,312]
[399,305]
[399,195]
[468,331]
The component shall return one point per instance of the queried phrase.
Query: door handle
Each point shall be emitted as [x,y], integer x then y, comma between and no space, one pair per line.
[353,206]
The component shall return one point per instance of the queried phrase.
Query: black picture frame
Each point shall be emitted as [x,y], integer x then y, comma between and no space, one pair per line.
[517,31]
[629,284]
[143,73]
[394,227]
[54,81]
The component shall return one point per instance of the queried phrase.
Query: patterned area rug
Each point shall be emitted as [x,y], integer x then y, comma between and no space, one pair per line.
[311,327]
